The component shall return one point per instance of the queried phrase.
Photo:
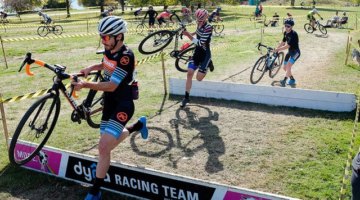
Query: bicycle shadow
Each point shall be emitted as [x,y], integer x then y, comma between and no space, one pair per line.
[278,84]
[207,131]
[321,35]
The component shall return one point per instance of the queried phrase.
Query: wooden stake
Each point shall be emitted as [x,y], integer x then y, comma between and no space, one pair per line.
[3,50]
[6,133]
[163,69]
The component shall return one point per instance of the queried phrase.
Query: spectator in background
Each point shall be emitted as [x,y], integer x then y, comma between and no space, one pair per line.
[107,12]
[152,16]
[333,22]
[137,12]
[344,19]
[3,15]
[186,13]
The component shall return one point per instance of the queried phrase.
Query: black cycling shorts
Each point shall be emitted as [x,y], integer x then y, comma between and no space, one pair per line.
[292,57]
[161,20]
[115,116]
[151,21]
[202,60]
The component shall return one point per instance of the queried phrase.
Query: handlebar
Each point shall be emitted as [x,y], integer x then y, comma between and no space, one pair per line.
[261,45]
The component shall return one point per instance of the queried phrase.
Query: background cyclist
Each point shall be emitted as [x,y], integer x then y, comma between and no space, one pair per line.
[311,17]
[118,65]
[291,42]
[163,16]
[186,13]
[47,20]
[152,15]
[201,58]
[215,15]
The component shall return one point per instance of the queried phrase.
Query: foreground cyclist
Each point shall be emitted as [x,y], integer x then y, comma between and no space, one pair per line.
[118,65]
[202,55]
[290,42]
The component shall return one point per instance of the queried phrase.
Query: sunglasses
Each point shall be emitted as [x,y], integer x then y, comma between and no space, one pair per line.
[287,26]
[106,38]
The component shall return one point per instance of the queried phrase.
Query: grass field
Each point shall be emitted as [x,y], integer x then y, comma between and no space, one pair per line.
[293,152]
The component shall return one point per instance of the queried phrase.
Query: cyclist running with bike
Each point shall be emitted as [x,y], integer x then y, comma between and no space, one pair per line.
[311,17]
[163,16]
[186,13]
[47,20]
[215,15]
[201,58]
[118,65]
[152,15]
[291,42]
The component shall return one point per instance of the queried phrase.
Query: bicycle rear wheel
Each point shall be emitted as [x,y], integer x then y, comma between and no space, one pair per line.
[140,28]
[308,28]
[94,104]
[322,29]
[58,29]
[34,129]
[181,62]
[219,28]
[42,31]
[258,70]
[155,42]
[276,65]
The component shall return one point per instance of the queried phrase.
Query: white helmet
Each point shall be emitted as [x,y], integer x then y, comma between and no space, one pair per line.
[112,25]
[315,11]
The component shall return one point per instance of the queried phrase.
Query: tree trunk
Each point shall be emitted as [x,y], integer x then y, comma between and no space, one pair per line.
[122,3]
[67,8]
[101,6]
[292,2]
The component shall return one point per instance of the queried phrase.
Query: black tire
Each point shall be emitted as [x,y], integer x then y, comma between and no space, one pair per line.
[259,68]
[140,28]
[94,102]
[155,42]
[218,28]
[58,29]
[181,62]
[42,31]
[308,28]
[35,139]
[322,29]
[277,65]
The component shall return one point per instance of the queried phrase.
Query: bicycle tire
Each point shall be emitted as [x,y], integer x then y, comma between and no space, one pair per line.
[218,28]
[42,31]
[155,40]
[95,103]
[183,59]
[176,17]
[58,30]
[276,65]
[308,28]
[322,29]
[140,28]
[259,62]
[17,138]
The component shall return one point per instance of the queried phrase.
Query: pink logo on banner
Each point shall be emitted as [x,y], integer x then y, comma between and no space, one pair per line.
[239,196]
[46,161]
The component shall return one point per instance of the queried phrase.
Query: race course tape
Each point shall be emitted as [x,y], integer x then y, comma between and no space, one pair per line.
[49,37]
[350,153]
[25,96]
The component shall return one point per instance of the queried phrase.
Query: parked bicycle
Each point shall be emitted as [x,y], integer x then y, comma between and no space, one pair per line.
[158,40]
[39,120]
[46,29]
[310,29]
[271,62]
[218,27]
[144,26]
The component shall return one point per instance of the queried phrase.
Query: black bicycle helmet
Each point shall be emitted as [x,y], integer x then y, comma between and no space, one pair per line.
[289,22]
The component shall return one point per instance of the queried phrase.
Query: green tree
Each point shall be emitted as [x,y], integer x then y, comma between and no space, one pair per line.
[21,5]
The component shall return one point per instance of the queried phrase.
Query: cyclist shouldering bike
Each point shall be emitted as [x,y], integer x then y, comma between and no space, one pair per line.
[201,58]
[118,65]
[291,42]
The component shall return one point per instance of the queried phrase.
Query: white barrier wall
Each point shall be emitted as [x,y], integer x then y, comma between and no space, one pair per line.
[277,96]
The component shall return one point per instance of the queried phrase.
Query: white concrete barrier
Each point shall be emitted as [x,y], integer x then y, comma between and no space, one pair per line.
[277,96]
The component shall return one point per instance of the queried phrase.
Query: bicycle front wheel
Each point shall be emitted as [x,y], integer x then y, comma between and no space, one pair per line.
[140,28]
[276,65]
[182,61]
[219,28]
[308,28]
[42,31]
[322,29]
[94,104]
[58,29]
[155,42]
[34,129]
[258,70]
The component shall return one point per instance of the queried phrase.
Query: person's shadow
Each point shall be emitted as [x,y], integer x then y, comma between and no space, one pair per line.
[208,132]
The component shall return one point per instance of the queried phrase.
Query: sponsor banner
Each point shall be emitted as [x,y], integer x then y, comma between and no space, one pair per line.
[47,161]
[134,181]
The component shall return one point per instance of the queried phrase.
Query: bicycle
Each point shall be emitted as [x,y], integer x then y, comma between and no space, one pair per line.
[46,29]
[310,29]
[161,39]
[270,62]
[258,18]
[218,27]
[38,122]
[143,26]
